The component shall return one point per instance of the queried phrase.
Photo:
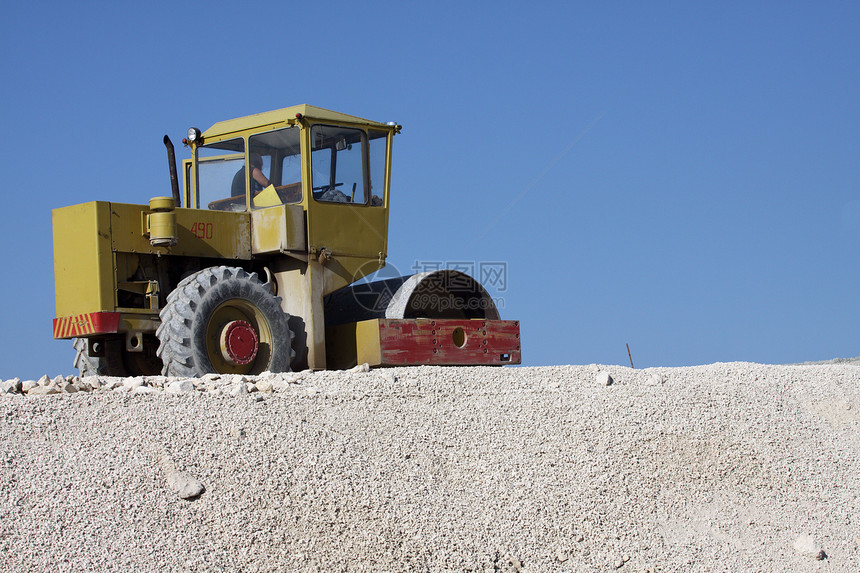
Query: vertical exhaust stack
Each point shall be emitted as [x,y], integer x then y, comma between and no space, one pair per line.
[171,160]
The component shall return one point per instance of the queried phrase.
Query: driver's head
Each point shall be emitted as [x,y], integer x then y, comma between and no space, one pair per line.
[256,161]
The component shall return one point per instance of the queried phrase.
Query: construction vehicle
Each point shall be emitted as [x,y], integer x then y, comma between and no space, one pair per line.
[264,266]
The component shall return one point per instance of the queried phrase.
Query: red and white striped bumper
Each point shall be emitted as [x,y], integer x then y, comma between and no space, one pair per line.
[86,324]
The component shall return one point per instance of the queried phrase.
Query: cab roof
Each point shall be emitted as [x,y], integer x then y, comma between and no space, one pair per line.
[271,119]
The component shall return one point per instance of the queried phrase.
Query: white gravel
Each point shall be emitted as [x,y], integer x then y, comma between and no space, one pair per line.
[727,467]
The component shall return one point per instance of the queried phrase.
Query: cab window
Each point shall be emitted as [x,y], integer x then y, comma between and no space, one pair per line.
[217,165]
[338,164]
[280,151]
[378,155]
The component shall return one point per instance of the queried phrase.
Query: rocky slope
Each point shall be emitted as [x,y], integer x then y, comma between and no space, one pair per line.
[735,467]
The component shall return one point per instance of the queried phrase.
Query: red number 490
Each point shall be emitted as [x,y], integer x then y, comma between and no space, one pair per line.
[202,230]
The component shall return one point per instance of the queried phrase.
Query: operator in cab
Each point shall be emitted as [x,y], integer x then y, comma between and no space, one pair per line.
[258,180]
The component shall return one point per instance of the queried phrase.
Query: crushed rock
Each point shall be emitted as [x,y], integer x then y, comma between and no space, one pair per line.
[736,466]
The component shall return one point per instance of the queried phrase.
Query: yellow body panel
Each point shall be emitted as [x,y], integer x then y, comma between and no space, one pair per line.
[347,230]
[83,261]
[200,233]
[278,230]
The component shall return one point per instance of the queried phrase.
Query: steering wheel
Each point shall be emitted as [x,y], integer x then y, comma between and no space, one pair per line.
[325,188]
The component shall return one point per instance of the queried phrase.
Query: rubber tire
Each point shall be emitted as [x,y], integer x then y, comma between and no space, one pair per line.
[189,311]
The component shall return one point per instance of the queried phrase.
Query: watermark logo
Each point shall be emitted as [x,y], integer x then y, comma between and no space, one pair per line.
[461,287]
[491,274]
[494,275]
[374,290]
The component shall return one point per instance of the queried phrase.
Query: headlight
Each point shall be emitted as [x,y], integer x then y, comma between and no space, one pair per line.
[193,134]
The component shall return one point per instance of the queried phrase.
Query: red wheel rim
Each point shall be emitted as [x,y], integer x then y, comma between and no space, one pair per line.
[239,342]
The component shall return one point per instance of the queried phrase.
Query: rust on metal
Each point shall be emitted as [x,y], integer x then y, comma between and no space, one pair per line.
[442,342]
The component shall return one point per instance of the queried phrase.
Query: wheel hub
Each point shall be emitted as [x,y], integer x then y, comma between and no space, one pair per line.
[239,342]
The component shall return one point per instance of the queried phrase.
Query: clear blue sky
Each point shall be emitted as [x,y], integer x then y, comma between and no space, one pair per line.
[682,177]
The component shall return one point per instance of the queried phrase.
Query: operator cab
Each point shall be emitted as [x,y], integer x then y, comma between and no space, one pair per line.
[324,175]
[344,164]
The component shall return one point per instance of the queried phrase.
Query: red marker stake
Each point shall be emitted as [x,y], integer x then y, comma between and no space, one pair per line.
[630,357]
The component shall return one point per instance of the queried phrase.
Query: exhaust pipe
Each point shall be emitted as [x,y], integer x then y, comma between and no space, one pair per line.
[171,160]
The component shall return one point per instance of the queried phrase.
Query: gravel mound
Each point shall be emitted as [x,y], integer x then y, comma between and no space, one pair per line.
[727,467]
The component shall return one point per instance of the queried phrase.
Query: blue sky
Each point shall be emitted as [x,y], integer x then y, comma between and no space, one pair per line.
[682,177]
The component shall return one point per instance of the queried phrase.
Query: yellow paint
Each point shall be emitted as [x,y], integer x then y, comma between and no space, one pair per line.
[268,197]
[83,263]
[347,230]
[200,233]
[277,230]
[279,118]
